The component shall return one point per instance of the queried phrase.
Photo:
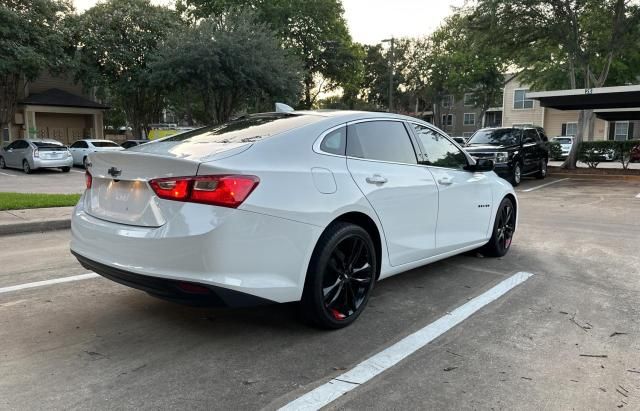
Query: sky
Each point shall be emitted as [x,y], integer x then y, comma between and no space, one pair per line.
[371,21]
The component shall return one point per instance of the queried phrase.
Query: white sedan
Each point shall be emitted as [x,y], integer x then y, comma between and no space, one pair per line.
[302,206]
[81,149]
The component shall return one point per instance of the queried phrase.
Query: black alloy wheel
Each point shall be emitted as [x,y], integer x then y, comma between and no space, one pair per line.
[503,230]
[3,165]
[542,172]
[341,276]
[26,167]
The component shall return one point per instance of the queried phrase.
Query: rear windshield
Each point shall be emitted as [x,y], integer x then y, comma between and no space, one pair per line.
[247,129]
[563,140]
[104,144]
[503,137]
[47,146]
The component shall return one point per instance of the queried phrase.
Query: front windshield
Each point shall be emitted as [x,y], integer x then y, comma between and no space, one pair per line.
[503,137]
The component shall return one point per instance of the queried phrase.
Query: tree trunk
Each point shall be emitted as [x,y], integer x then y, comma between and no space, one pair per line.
[572,159]
[308,84]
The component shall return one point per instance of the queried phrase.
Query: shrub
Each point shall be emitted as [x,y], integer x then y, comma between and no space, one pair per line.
[555,150]
[592,152]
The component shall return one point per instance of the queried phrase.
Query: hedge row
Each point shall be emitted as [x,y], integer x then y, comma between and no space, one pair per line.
[593,152]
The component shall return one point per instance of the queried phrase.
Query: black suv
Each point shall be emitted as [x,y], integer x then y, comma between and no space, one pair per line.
[516,152]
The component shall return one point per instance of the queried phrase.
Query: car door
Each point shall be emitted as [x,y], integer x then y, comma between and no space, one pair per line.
[530,151]
[19,153]
[78,151]
[9,154]
[465,198]
[382,161]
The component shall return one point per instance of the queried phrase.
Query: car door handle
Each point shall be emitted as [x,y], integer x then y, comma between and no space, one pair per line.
[376,179]
[445,181]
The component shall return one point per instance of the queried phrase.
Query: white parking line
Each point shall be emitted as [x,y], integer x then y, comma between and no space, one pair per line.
[543,185]
[7,174]
[638,196]
[77,171]
[389,357]
[48,282]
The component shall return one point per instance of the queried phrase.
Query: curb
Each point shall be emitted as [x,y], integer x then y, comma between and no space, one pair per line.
[578,176]
[35,226]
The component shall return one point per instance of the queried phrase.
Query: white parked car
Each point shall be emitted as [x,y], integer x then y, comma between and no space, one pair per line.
[81,149]
[566,142]
[303,206]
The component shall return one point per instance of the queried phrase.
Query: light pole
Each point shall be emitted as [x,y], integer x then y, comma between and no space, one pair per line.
[391,40]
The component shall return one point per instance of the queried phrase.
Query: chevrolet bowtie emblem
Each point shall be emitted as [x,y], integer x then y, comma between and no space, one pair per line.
[114,172]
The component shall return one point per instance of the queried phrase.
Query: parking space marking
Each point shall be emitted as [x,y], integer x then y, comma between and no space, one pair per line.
[7,174]
[638,196]
[77,171]
[543,185]
[48,282]
[369,368]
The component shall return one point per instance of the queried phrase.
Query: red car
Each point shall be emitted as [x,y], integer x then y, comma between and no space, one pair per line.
[635,154]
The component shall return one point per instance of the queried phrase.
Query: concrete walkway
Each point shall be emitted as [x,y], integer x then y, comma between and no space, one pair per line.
[35,220]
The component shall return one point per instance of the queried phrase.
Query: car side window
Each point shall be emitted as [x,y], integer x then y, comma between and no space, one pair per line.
[380,140]
[21,144]
[439,150]
[335,142]
[529,136]
[75,145]
[11,146]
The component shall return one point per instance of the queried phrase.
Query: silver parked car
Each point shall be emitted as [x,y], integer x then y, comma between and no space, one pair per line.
[81,149]
[31,154]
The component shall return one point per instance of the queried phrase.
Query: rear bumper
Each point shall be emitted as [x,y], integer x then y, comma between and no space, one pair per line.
[40,163]
[173,290]
[246,252]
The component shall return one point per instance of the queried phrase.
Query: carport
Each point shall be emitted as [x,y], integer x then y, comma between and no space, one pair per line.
[617,105]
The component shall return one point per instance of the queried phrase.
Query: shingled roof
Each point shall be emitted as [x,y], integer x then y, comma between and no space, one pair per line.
[60,98]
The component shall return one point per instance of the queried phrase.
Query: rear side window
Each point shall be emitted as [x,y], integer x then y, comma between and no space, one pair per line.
[335,142]
[104,144]
[380,140]
[79,144]
[530,136]
[21,144]
[247,129]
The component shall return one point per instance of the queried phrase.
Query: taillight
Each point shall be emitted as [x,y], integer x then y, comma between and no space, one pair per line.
[88,179]
[36,153]
[221,190]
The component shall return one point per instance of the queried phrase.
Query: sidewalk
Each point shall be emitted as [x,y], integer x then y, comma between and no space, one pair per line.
[35,220]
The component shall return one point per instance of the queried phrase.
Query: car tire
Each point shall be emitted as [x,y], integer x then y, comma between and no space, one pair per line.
[85,161]
[516,174]
[542,173]
[3,165]
[503,230]
[340,277]
[26,167]
[66,169]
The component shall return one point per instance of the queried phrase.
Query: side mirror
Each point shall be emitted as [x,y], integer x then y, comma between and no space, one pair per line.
[481,165]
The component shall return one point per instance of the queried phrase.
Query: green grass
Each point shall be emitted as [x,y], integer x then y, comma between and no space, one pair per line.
[18,201]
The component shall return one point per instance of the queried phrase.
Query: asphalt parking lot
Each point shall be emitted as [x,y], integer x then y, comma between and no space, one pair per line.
[566,338]
[52,181]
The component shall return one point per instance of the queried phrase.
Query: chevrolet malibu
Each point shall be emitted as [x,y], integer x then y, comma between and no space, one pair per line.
[314,207]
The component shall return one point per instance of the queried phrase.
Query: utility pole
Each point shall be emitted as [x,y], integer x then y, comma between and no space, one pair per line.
[391,61]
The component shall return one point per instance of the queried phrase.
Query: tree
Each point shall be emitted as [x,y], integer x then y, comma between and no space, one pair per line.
[34,37]
[565,43]
[314,31]
[227,63]
[118,38]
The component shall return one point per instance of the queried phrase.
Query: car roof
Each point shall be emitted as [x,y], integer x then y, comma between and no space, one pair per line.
[42,140]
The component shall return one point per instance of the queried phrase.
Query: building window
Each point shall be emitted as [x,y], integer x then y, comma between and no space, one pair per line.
[447,119]
[469,119]
[621,131]
[447,101]
[570,129]
[520,102]
[468,99]
[5,135]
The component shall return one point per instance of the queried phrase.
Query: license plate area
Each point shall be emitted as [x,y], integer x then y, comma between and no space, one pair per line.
[124,201]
